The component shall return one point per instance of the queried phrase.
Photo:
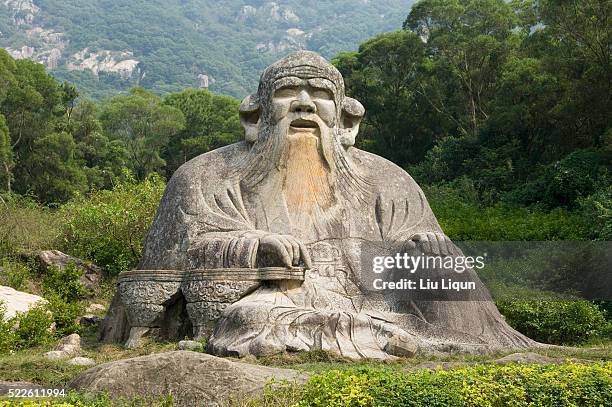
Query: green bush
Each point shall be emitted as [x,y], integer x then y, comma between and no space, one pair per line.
[65,293]
[33,327]
[7,332]
[64,282]
[109,227]
[27,329]
[514,385]
[463,219]
[596,210]
[563,322]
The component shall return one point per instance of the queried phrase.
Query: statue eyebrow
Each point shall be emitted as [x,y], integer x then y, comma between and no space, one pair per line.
[322,83]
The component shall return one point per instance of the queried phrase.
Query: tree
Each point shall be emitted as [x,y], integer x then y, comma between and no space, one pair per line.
[211,121]
[385,75]
[6,156]
[468,42]
[144,125]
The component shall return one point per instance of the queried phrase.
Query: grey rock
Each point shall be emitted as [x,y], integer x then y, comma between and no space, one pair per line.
[93,308]
[90,279]
[56,355]
[5,386]
[297,196]
[81,361]
[190,345]
[193,379]
[70,345]
[527,358]
[17,301]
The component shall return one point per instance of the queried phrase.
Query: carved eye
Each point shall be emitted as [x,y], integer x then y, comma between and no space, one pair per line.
[322,94]
[286,92]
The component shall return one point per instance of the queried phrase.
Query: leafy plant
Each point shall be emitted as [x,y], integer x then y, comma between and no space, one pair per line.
[109,227]
[564,322]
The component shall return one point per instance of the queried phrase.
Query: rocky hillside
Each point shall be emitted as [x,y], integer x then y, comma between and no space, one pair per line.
[166,45]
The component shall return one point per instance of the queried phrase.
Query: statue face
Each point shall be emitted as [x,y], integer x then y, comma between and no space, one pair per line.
[301,104]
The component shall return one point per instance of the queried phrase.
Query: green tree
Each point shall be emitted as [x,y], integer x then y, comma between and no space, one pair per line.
[6,156]
[211,121]
[145,125]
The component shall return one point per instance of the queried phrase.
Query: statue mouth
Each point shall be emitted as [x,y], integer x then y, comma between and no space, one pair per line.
[304,125]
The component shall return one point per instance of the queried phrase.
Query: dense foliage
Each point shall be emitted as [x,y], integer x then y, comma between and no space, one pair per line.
[230,41]
[569,384]
[109,227]
[54,147]
[514,96]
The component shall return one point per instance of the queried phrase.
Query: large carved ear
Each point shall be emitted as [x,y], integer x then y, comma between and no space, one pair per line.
[352,113]
[249,118]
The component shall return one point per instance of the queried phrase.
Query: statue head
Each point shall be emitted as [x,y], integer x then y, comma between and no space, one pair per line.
[299,92]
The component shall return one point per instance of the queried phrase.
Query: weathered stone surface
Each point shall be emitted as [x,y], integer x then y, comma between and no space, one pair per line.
[297,193]
[91,278]
[193,379]
[81,361]
[6,386]
[56,355]
[190,345]
[70,345]
[17,301]
[93,308]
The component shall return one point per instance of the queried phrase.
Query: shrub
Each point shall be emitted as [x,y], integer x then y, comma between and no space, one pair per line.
[33,327]
[63,290]
[462,218]
[7,332]
[564,322]
[486,385]
[64,282]
[65,314]
[596,210]
[109,227]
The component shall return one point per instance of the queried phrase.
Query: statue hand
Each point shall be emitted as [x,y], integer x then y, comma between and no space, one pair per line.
[282,250]
[432,243]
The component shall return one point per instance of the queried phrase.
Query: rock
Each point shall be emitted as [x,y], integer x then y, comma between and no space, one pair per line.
[91,278]
[190,345]
[56,355]
[93,308]
[82,361]
[6,386]
[70,345]
[17,301]
[192,378]
[402,346]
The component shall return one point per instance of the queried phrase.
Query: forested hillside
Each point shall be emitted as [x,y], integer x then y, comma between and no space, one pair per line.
[165,46]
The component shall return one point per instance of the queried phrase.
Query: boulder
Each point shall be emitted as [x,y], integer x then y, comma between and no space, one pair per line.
[91,278]
[17,301]
[6,386]
[93,308]
[70,345]
[192,378]
[56,355]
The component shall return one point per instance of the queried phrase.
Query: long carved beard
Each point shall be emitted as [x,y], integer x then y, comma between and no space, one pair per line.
[308,184]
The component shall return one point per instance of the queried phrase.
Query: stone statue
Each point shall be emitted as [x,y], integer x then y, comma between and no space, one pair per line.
[279,221]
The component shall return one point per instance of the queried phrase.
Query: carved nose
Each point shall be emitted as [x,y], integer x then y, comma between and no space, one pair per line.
[303,103]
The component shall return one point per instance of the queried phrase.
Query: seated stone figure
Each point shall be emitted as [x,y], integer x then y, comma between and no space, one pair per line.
[297,193]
